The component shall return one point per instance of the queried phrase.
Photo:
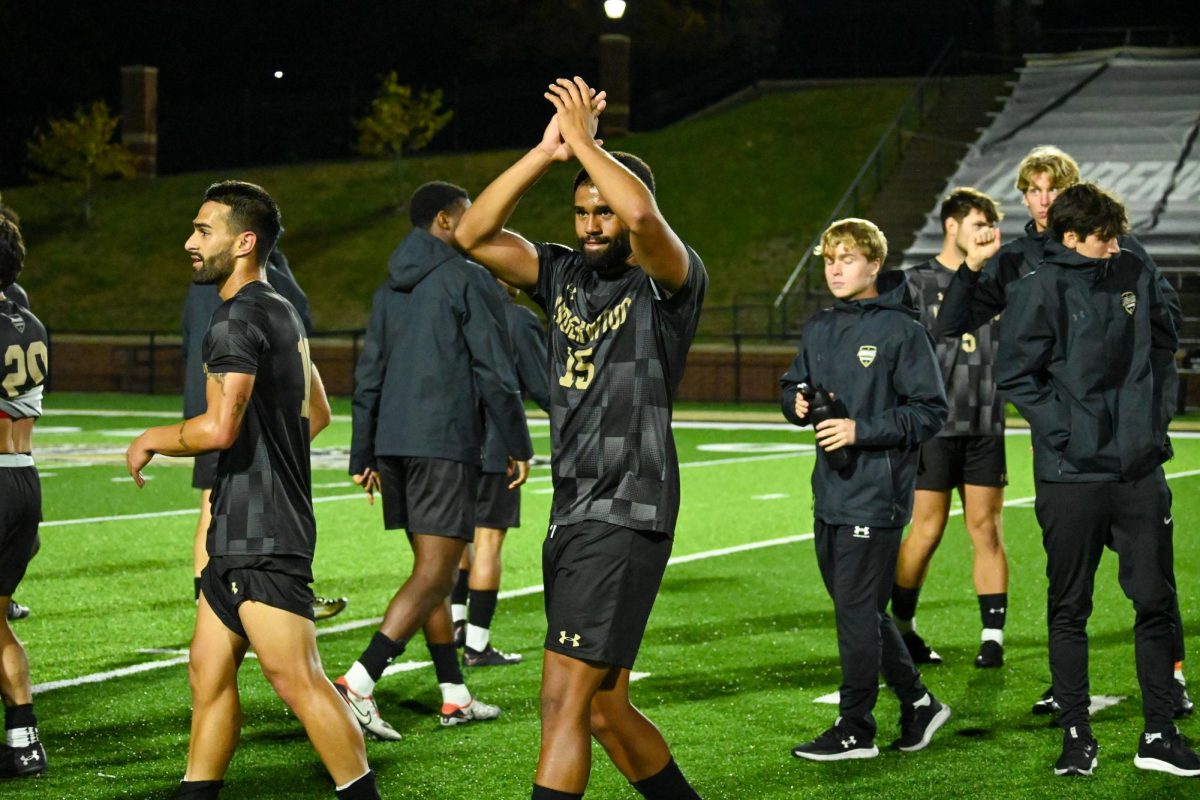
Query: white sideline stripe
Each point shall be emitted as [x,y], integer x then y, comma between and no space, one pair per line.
[637,676]
[406,666]
[99,677]
[358,495]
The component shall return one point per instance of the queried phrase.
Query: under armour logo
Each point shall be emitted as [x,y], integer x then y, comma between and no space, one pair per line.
[233,587]
[35,756]
[849,741]
[999,610]
[1150,737]
[862,531]
[563,639]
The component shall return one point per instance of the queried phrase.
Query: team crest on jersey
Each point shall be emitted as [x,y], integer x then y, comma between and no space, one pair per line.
[18,322]
[866,355]
[1129,302]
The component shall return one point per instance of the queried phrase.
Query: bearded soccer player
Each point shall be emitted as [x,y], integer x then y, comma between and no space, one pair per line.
[977,294]
[265,401]
[22,374]
[623,311]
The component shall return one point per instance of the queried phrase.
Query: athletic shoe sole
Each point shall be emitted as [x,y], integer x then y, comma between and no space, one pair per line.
[939,719]
[862,752]
[1076,770]
[1158,765]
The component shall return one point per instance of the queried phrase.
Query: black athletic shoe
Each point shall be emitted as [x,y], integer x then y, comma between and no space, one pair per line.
[837,744]
[1183,703]
[920,652]
[1046,705]
[1078,753]
[326,607]
[991,655]
[918,723]
[22,762]
[1167,752]
[16,610]
[460,634]
[489,657]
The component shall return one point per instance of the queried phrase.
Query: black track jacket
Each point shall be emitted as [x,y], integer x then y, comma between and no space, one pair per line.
[436,348]
[878,359]
[1085,355]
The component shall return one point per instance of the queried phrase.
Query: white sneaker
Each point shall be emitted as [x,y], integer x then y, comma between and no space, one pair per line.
[366,712]
[474,711]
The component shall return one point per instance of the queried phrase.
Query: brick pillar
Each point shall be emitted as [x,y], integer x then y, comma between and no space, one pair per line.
[139,116]
[614,79]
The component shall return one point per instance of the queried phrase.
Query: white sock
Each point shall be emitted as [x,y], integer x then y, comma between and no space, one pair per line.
[20,737]
[1179,676]
[924,701]
[477,638]
[360,680]
[455,694]
[458,612]
[992,635]
[351,783]
[905,626]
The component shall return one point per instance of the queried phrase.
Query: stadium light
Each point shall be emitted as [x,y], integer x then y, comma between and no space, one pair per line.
[278,74]
[614,9]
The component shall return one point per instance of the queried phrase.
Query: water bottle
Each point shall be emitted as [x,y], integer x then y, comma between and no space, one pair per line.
[820,408]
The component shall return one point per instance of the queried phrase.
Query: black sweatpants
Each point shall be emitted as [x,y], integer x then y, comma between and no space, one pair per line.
[1134,519]
[858,565]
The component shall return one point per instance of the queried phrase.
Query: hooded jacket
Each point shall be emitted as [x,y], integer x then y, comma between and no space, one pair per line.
[1086,353]
[878,359]
[528,339]
[436,353]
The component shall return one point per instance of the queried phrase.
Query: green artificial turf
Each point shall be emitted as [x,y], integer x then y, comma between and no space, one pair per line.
[739,645]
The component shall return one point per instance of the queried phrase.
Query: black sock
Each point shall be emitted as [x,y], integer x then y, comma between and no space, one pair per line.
[196,587]
[200,790]
[379,653]
[445,662]
[668,784]
[458,596]
[362,789]
[993,609]
[482,608]
[904,602]
[19,717]
[542,793]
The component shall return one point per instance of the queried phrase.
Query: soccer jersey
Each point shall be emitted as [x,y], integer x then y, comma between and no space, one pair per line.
[261,503]
[618,347]
[24,361]
[967,361]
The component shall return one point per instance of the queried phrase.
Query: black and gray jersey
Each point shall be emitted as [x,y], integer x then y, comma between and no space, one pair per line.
[617,350]
[24,361]
[967,361]
[262,498]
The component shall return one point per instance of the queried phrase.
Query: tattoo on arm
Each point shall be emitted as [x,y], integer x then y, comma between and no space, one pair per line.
[183,442]
[239,405]
[219,377]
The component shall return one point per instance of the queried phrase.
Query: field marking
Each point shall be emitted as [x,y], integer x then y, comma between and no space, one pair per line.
[100,677]
[1099,702]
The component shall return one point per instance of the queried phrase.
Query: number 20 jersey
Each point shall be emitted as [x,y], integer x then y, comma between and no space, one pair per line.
[617,350]
[24,361]
[967,361]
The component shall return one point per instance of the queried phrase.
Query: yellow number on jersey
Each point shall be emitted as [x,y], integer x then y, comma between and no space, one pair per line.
[968,343]
[25,364]
[306,365]
[580,371]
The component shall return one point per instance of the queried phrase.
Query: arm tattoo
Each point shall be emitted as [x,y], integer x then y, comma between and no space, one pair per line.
[183,442]
[219,377]
[239,405]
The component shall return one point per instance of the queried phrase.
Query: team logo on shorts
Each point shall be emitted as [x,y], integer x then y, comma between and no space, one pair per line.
[1129,302]
[563,639]
[862,532]
[233,587]
[866,355]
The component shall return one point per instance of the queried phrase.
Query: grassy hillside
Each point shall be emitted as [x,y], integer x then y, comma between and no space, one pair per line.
[747,188]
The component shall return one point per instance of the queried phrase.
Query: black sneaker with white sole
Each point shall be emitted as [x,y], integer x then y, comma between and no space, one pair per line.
[1078,752]
[991,655]
[919,722]
[920,652]
[839,743]
[1183,705]
[1046,704]
[1166,751]
[22,762]
[489,657]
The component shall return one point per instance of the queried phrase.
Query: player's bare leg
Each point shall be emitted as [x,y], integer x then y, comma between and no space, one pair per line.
[983,509]
[435,564]
[632,742]
[486,569]
[15,686]
[931,510]
[286,645]
[200,539]
[568,686]
[213,662]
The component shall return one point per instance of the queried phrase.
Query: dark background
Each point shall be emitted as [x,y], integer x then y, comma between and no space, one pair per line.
[219,104]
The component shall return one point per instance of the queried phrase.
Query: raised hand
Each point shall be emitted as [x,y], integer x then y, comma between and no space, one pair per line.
[982,246]
[578,108]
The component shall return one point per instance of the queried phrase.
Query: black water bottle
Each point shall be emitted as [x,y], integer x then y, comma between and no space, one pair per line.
[820,408]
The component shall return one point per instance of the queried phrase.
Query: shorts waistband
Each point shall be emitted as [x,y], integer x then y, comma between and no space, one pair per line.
[15,460]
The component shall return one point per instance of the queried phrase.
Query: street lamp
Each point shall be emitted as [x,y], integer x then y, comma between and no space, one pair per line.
[614,72]
[615,9]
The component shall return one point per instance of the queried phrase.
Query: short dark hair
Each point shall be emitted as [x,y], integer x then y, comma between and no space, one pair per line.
[1085,209]
[10,214]
[250,209]
[627,160]
[963,200]
[431,198]
[12,253]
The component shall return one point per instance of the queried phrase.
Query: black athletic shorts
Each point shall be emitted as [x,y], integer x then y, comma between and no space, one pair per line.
[600,582]
[950,461]
[283,583]
[20,513]
[429,495]
[497,506]
[204,470]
